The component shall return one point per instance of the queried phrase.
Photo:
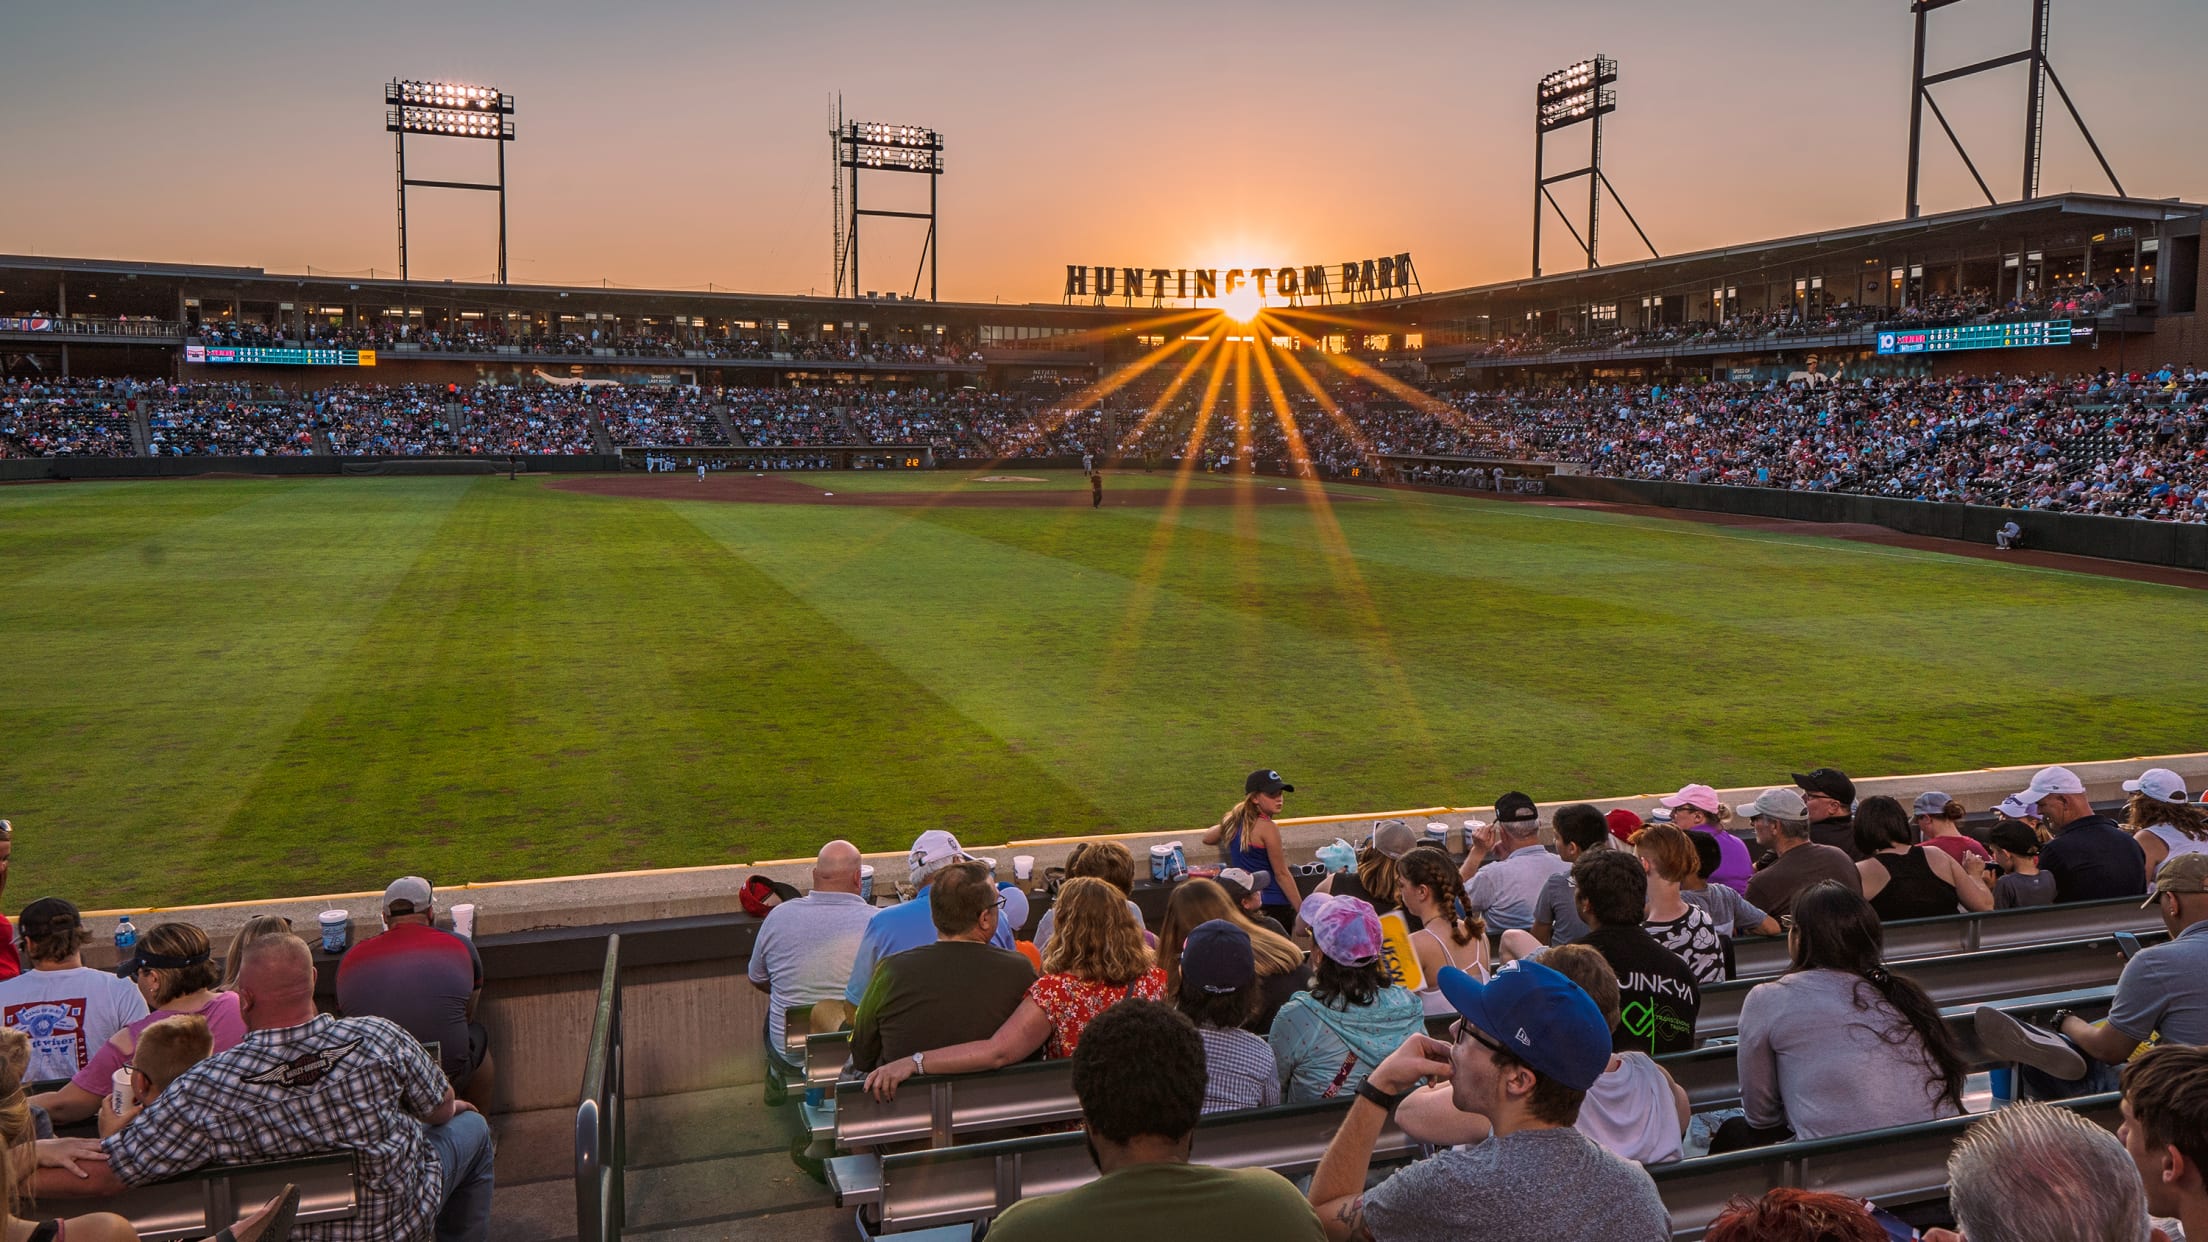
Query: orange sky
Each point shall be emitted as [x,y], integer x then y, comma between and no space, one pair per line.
[668,145]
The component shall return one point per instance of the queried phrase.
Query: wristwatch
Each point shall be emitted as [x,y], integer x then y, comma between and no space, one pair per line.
[2056,1019]
[919,1066]
[1387,1100]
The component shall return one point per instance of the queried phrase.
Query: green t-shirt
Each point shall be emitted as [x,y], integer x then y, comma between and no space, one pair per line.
[1166,1200]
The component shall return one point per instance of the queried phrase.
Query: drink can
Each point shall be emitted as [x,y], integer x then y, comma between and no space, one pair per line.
[337,926]
[866,882]
[120,1096]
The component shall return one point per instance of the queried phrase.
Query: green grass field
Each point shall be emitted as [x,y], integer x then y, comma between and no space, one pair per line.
[234,689]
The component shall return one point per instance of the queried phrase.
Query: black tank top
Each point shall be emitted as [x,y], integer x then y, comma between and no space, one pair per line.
[1912,890]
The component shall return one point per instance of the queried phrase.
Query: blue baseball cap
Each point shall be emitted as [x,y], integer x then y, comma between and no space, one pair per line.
[1543,1018]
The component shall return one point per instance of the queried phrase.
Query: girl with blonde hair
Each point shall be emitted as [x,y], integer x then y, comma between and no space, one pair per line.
[1282,969]
[1253,842]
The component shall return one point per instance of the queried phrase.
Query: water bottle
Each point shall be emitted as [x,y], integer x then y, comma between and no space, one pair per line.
[126,939]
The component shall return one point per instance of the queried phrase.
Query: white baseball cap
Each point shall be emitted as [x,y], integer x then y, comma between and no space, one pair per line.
[2055,780]
[2160,784]
[934,849]
[2016,807]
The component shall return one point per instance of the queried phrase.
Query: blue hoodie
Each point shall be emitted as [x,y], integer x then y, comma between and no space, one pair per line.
[1311,1040]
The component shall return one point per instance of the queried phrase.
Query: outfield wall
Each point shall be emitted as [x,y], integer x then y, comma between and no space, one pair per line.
[2124,539]
[32,469]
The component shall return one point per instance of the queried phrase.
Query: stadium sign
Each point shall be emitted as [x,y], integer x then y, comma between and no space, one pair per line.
[1353,279]
[1976,336]
[14,324]
[227,354]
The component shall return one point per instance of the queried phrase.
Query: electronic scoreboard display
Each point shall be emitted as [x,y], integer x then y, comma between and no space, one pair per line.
[229,354]
[1974,336]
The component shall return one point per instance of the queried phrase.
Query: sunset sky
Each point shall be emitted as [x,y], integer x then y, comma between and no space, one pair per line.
[673,144]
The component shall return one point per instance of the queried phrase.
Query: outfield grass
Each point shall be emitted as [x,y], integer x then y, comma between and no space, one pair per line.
[231,689]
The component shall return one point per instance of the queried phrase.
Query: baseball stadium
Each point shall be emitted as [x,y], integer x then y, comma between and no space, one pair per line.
[1258,747]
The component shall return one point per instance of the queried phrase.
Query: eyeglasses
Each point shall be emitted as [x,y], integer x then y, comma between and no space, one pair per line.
[1465,1030]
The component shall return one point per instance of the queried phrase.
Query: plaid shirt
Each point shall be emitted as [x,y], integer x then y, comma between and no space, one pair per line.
[332,1084]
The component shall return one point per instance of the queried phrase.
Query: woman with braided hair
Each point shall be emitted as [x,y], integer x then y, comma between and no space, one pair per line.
[1429,887]
[1839,1044]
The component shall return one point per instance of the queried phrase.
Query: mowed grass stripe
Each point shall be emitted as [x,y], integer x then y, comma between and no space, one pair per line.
[1017,640]
[568,684]
[48,527]
[149,682]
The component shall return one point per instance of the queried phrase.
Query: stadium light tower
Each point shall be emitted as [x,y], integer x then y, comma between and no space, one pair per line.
[1571,95]
[2035,103]
[449,110]
[871,146]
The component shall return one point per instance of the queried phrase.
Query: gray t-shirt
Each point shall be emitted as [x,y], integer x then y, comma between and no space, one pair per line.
[1532,1186]
[1558,907]
[1725,907]
[2013,891]
[2165,989]
[1822,1052]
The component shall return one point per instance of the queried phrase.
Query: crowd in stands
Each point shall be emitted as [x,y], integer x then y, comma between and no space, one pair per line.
[177,1062]
[1533,1061]
[488,336]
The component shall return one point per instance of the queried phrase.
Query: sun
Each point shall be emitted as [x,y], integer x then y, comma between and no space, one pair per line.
[1241,305]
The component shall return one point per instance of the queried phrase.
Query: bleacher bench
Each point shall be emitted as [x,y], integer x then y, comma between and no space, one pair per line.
[205,1200]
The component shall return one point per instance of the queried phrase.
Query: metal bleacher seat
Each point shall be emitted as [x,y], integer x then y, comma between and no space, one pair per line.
[1913,939]
[201,1202]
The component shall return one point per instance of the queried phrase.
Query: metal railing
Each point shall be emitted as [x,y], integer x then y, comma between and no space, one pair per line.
[140,328]
[1912,939]
[601,1130]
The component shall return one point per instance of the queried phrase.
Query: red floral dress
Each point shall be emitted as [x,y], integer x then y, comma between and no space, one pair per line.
[1071,1003]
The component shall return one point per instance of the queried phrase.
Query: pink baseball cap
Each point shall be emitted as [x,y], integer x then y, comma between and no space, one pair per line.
[1700,797]
[1344,928]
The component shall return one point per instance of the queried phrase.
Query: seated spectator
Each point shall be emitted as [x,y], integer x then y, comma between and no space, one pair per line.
[1527,1047]
[1246,889]
[1634,1110]
[1829,798]
[1839,1044]
[1108,861]
[1907,881]
[1659,999]
[1781,819]
[1327,1039]
[426,979]
[1252,842]
[1733,913]
[2016,852]
[2165,1131]
[1096,960]
[2162,992]
[961,988]
[1282,969]
[1697,808]
[67,1008]
[307,1084]
[255,928]
[1667,854]
[1217,990]
[2026,813]
[2162,820]
[1140,1075]
[176,975]
[11,964]
[166,1048]
[1373,880]
[2089,856]
[1789,1214]
[1505,866]
[2031,1173]
[805,947]
[1432,892]
[1939,823]
[908,924]
[16,1135]
[1580,828]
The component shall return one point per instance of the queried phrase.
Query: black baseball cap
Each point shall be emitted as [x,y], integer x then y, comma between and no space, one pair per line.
[1266,781]
[48,915]
[1831,782]
[1515,808]
[2015,836]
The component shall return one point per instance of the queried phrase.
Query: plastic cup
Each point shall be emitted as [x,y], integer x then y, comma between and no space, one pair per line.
[337,926]
[463,919]
[120,1096]
[866,882]
[1023,867]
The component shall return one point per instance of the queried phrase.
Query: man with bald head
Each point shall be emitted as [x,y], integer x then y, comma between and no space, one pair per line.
[805,947]
[303,1083]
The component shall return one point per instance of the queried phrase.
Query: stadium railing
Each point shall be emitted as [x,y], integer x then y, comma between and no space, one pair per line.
[1902,1167]
[201,1202]
[601,1131]
[1910,939]
[1980,978]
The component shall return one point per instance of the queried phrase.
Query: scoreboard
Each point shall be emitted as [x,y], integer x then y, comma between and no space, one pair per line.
[1974,336]
[226,354]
